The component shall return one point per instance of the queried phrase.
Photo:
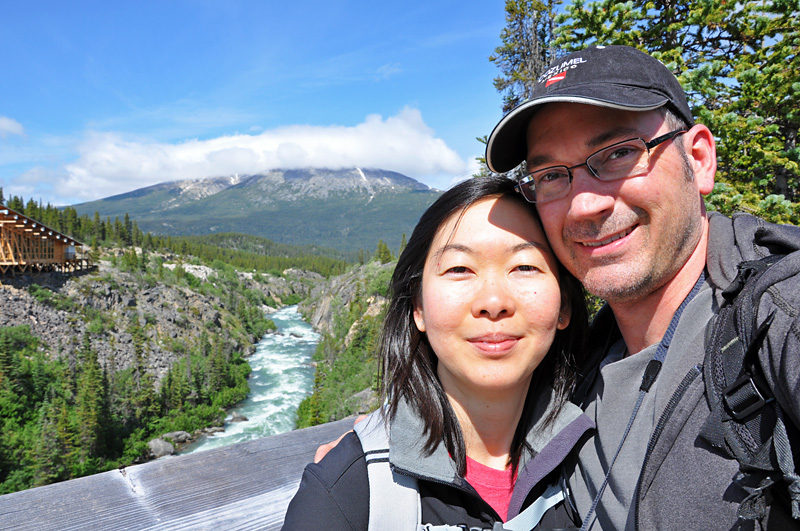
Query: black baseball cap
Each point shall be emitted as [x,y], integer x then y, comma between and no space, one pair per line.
[619,77]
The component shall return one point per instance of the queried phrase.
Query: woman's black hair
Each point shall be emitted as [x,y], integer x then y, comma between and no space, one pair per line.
[408,364]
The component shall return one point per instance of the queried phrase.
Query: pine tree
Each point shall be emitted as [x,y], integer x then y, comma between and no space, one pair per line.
[54,451]
[32,209]
[127,233]
[761,111]
[91,404]
[739,64]
[16,204]
[403,244]
[6,357]
[526,50]
[97,227]
[528,46]
[383,254]
[71,222]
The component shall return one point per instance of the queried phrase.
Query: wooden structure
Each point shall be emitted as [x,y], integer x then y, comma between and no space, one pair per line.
[27,246]
[243,486]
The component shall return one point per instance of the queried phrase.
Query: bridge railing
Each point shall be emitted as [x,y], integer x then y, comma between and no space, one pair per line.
[241,486]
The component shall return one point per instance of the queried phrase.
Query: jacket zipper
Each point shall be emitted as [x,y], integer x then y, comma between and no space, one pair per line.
[674,400]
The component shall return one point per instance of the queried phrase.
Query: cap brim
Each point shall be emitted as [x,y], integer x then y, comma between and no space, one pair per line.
[507,145]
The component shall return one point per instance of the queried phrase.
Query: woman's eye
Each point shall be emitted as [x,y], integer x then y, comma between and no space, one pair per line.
[527,268]
[457,270]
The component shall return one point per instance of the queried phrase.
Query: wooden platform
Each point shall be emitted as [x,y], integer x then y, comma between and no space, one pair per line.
[238,487]
[27,246]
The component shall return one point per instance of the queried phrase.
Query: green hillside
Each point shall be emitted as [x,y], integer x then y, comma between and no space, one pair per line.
[346,210]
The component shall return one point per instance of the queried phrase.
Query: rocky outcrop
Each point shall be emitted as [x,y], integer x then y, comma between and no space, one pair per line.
[354,299]
[237,417]
[331,296]
[177,437]
[171,442]
[111,306]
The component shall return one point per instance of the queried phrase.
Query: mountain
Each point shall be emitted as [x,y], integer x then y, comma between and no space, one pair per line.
[348,209]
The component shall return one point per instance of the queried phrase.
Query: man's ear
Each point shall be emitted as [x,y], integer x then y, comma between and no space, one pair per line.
[701,150]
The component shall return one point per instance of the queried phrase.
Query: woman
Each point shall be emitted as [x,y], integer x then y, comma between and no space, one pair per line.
[477,356]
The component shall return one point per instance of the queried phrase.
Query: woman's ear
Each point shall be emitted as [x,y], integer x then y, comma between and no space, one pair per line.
[565,313]
[419,317]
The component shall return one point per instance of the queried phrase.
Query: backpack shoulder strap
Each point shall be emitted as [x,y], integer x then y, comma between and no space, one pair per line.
[745,421]
[532,515]
[394,501]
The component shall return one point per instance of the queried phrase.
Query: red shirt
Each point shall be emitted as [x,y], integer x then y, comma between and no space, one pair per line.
[494,486]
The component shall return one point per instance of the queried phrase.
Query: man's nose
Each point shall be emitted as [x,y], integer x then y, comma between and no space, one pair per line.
[590,197]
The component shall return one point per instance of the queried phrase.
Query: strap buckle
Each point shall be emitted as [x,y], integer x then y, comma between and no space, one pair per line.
[743,397]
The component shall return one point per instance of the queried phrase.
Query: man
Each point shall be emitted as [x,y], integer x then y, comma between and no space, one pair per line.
[617,170]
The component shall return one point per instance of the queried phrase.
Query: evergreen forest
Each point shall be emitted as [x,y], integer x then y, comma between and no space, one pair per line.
[66,416]
[239,250]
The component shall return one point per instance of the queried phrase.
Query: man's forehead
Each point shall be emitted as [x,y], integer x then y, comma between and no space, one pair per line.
[611,125]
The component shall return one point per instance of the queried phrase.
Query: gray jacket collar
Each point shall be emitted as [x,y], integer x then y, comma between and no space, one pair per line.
[550,445]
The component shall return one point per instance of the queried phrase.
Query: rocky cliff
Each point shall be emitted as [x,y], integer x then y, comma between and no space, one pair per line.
[328,299]
[110,305]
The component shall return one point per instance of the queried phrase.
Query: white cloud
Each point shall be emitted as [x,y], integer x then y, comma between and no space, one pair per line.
[110,164]
[10,127]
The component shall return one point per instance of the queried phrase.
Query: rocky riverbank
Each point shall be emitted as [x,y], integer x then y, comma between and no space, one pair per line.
[347,311]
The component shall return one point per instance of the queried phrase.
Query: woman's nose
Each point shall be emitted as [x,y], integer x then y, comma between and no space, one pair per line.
[493,299]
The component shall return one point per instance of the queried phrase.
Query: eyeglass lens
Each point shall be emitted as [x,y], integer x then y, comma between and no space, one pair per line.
[618,161]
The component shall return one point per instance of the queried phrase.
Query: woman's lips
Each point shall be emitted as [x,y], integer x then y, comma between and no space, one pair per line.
[495,343]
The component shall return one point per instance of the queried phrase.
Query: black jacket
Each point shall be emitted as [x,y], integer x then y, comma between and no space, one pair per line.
[334,494]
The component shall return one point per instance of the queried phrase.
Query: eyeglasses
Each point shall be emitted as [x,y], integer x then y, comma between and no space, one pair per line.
[628,158]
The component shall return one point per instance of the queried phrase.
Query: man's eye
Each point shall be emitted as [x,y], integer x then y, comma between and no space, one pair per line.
[549,176]
[621,152]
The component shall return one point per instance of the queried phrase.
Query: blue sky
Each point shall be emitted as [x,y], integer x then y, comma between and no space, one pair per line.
[100,98]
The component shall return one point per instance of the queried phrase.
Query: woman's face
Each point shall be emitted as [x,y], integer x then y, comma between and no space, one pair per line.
[491,300]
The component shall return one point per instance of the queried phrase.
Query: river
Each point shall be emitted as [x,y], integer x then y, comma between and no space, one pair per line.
[282,375]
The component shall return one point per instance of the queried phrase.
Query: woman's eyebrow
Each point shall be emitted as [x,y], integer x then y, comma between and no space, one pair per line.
[452,247]
[524,246]
[461,248]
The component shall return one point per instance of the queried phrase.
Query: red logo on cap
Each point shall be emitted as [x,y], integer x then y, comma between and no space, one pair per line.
[556,78]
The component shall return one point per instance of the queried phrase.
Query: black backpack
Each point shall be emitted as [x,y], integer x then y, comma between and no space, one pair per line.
[746,422]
